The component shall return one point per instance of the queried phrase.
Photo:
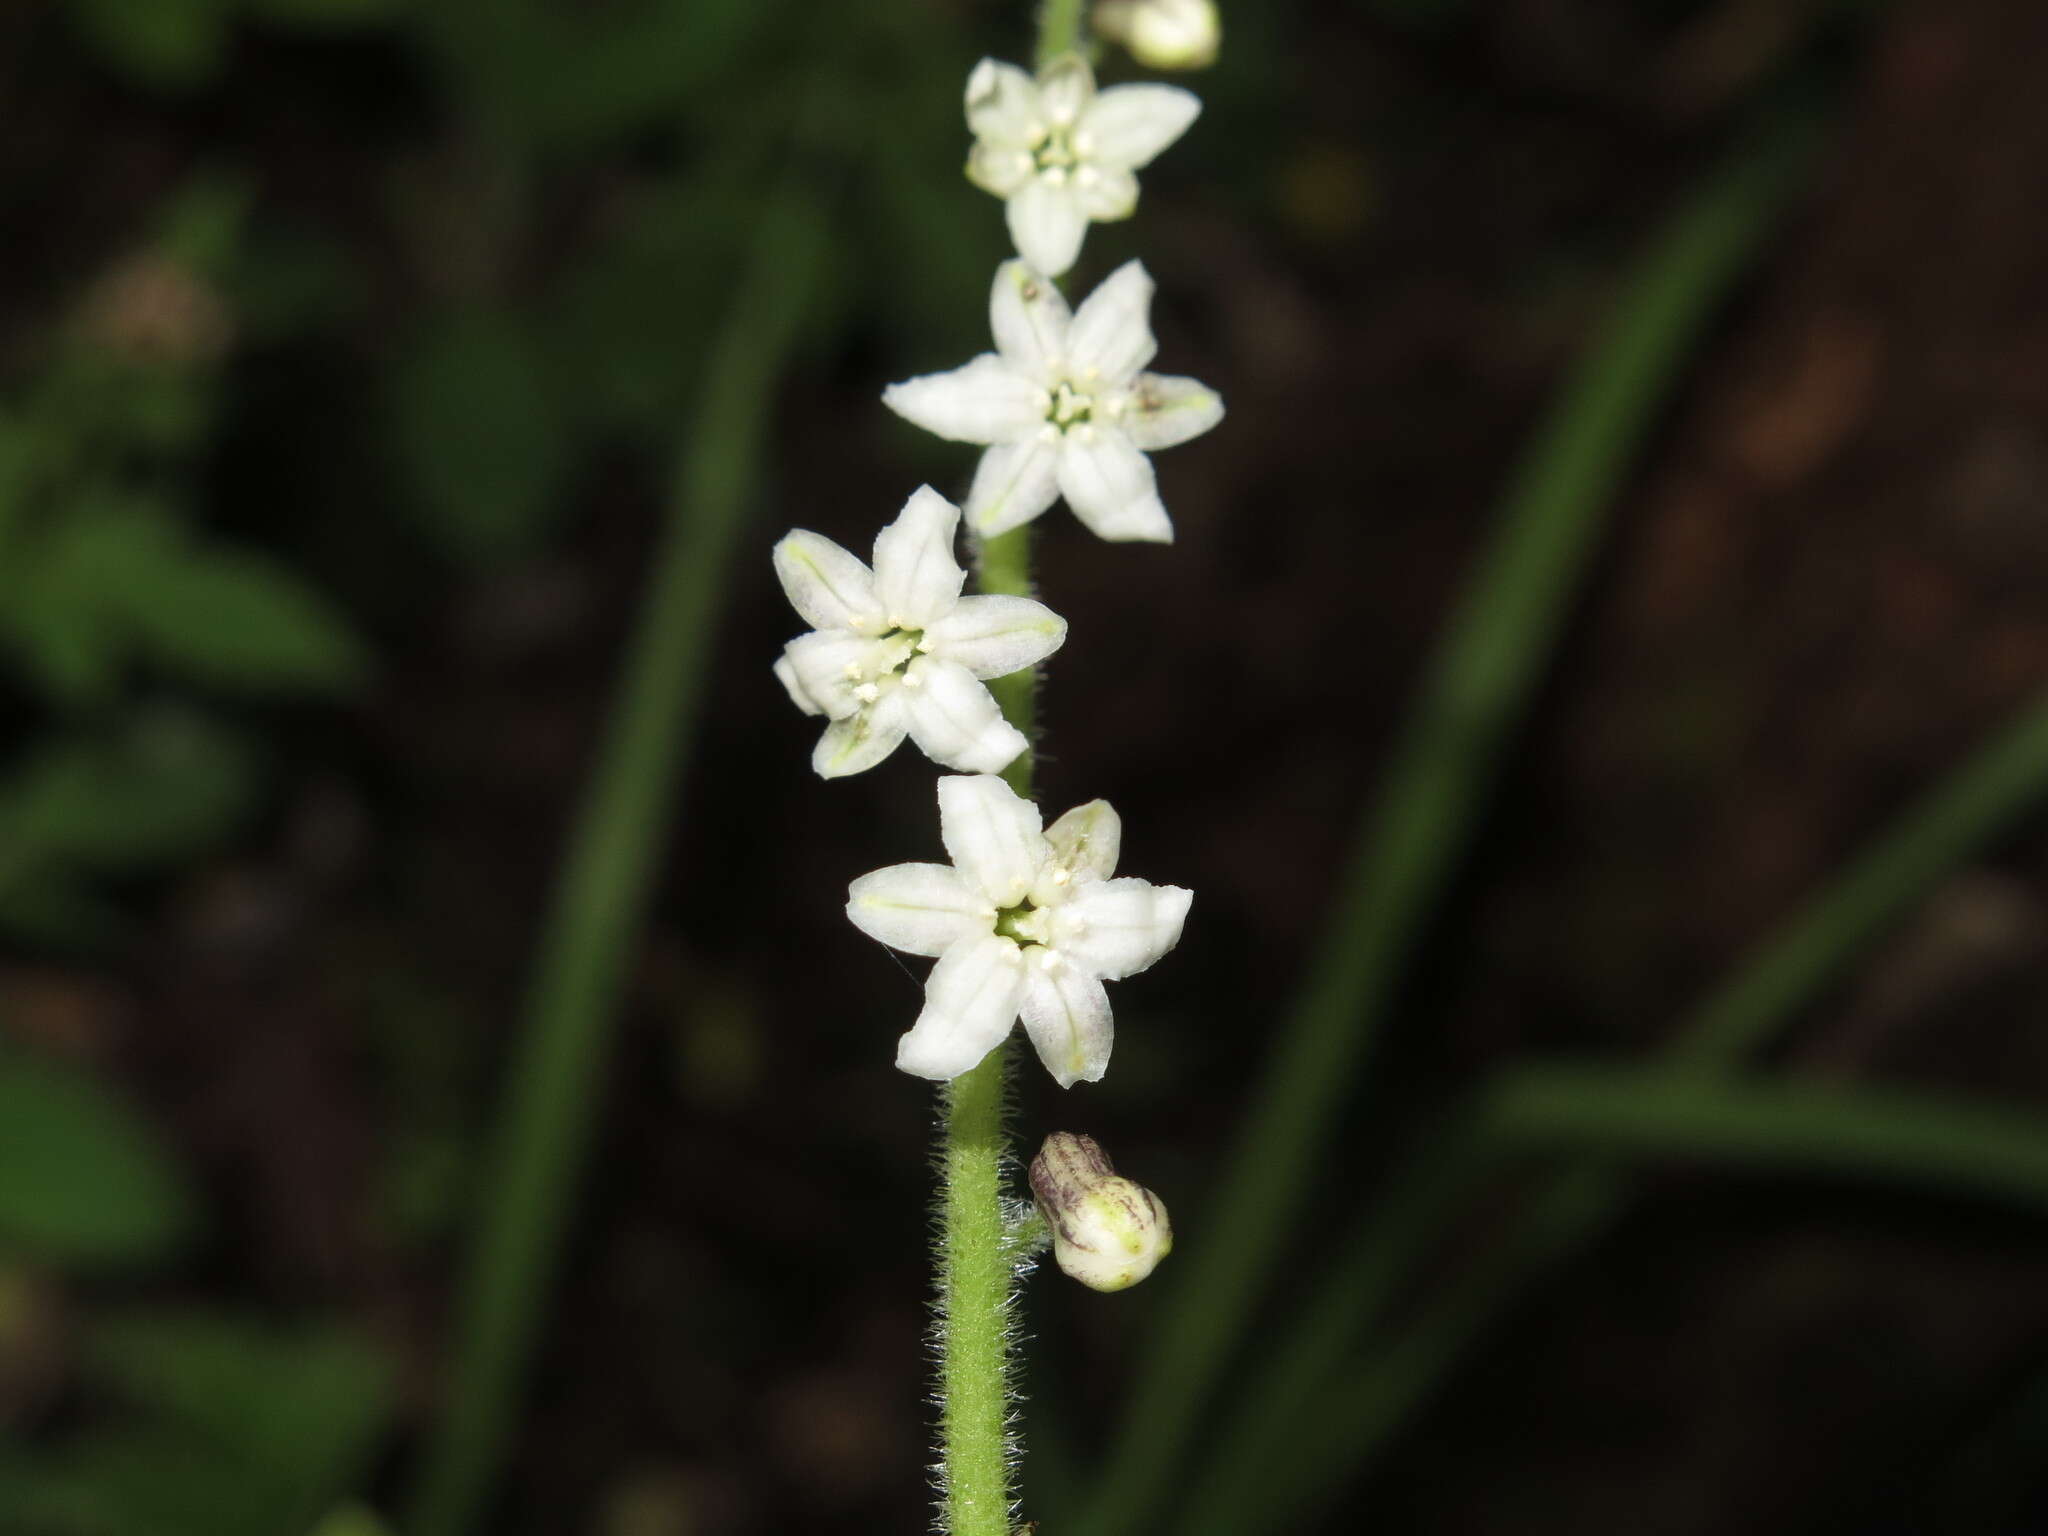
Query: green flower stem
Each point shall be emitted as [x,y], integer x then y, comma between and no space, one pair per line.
[976,1268]
[544,1135]
[1003,566]
[974,1305]
[976,1253]
[1059,29]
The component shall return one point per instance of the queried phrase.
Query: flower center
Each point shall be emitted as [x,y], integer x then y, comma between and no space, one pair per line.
[1022,924]
[1070,407]
[894,649]
[1056,152]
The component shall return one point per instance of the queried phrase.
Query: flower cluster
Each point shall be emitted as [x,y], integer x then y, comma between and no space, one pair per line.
[1027,921]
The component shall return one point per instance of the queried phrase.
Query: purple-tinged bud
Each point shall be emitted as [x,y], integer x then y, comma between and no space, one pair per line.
[1107,1232]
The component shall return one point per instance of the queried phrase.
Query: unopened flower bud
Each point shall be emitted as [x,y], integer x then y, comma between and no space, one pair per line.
[1163,34]
[1107,1232]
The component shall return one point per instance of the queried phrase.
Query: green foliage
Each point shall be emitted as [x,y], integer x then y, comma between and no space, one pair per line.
[170,45]
[352,1520]
[231,1429]
[180,46]
[480,436]
[120,581]
[84,1183]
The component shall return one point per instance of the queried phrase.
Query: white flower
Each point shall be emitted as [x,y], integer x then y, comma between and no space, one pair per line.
[1060,153]
[1063,407]
[1163,34]
[898,651]
[1024,922]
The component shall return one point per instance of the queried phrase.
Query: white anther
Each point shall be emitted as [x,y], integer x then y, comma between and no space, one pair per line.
[867,693]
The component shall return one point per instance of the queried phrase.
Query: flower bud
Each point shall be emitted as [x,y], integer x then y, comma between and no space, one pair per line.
[1163,34]
[1107,1232]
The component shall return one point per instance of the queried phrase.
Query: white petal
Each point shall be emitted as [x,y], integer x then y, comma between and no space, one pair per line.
[1112,335]
[1163,409]
[1066,87]
[785,674]
[1116,928]
[985,401]
[1013,483]
[1000,168]
[824,583]
[861,740]
[1109,485]
[830,663]
[921,909]
[1002,104]
[1108,192]
[1128,125]
[1085,843]
[1029,317]
[1066,1013]
[996,635]
[916,577]
[970,1002]
[955,720]
[992,836]
[1047,222]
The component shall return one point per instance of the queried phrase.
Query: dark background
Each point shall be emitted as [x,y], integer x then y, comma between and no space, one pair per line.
[433,362]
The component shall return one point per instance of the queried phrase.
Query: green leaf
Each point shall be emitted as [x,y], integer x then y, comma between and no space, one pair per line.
[83,1181]
[294,1412]
[325,15]
[236,620]
[172,45]
[167,784]
[1958,1147]
[479,437]
[352,1520]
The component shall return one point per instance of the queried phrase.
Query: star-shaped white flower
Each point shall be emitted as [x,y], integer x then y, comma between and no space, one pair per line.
[1024,922]
[1063,407]
[1060,153]
[898,651]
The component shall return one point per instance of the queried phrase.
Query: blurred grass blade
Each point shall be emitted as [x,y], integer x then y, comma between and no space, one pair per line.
[1355,1413]
[2004,779]
[1411,842]
[1957,1148]
[603,887]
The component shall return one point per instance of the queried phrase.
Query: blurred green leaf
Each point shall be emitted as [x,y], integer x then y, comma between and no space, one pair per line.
[237,620]
[162,786]
[1969,1149]
[561,78]
[170,45]
[325,14]
[43,1498]
[233,1430]
[83,1181]
[353,1520]
[300,1406]
[479,437]
[122,574]
[201,226]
